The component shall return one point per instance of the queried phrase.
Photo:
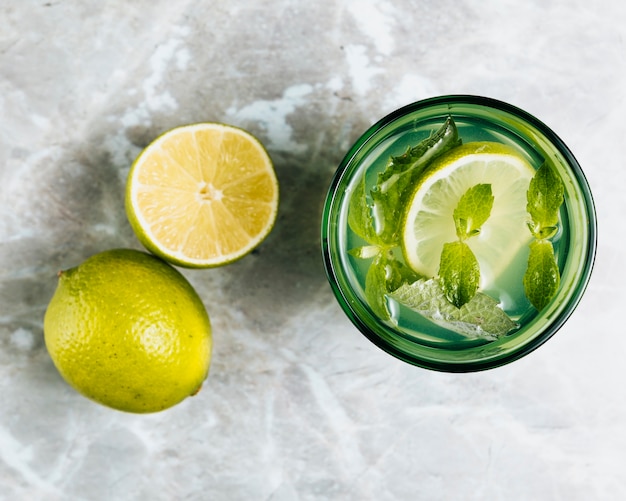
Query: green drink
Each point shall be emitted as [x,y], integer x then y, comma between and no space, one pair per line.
[459,233]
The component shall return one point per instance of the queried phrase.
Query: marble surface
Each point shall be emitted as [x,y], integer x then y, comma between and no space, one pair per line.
[298,405]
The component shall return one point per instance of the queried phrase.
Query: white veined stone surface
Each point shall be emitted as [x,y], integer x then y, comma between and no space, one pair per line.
[299,405]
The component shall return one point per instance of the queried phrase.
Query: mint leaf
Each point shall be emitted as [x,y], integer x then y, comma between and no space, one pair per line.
[484,312]
[458,267]
[375,287]
[395,184]
[398,274]
[459,273]
[545,196]
[360,217]
[480,318]
[384,275]
[473,210]
[542,278]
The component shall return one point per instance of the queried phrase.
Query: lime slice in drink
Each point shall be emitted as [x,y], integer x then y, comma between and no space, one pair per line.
[429,221]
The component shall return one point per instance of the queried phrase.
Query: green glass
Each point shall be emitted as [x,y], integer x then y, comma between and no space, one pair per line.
[478,119]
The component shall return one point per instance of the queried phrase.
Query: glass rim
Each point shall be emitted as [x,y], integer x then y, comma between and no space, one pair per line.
[350,304]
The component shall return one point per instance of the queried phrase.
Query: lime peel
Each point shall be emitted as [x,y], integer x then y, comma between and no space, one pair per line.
[127,330]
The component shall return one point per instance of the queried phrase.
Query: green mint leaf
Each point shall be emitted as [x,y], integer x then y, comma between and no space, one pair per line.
[542,277]
[459,273]
[395,184]
[385,275]
[542,232]
[398,274]
[375,288]
[360,217]
[480,318]
[545,196]
[473,210]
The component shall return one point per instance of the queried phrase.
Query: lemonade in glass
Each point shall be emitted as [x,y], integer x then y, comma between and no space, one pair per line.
[459,233]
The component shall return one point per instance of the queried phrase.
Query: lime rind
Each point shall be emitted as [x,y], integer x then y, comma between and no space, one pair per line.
[127,330]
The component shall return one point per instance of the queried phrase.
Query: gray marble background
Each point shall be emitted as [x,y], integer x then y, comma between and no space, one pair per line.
[299,405]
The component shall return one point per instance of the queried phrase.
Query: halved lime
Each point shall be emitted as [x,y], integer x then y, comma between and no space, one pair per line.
[429,221]
[202,195]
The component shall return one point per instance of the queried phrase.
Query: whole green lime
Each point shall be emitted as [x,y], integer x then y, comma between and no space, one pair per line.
[127,330]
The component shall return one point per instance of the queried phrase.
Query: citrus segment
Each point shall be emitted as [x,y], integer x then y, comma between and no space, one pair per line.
[202,195]
[429,221]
